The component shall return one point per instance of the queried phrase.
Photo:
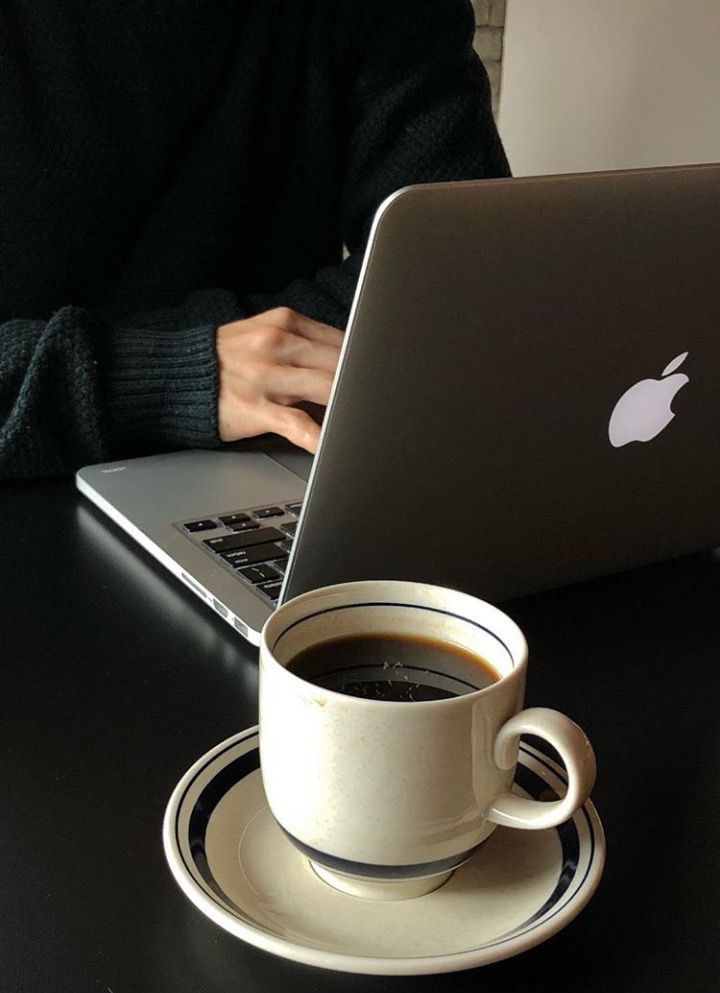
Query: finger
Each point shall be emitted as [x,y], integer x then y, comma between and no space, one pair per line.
[298,351]
[291,320]
[275,346]
[289,384]
[295,425]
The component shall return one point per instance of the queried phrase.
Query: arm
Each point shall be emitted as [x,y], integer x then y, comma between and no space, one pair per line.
[74,390]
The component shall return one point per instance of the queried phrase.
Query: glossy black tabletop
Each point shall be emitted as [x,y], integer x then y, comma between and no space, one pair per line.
[115,679]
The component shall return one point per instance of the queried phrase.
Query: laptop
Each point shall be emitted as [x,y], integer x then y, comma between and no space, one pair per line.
[528,395]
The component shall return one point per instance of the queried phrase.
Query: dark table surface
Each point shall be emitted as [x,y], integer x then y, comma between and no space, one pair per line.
[115,679]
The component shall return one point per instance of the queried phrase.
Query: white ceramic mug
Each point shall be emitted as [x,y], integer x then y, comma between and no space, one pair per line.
[387,798]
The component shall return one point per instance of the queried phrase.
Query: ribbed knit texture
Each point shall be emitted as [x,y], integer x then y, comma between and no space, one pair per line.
[167,166]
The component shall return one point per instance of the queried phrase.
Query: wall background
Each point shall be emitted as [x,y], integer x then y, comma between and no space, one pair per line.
[489,20]
[606,84]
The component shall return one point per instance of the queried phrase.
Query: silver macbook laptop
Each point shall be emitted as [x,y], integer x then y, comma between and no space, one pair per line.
[528,395]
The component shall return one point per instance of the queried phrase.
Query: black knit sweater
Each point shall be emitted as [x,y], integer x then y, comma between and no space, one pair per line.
[167,166]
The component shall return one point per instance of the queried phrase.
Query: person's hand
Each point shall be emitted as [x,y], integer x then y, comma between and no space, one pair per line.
[269,362]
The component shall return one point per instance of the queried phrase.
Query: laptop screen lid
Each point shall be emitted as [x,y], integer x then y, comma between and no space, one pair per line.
[499,330]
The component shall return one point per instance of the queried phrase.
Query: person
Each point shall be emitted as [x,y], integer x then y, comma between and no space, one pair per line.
[177,181]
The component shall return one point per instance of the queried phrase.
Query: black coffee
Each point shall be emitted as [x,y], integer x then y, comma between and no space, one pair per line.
[399,668]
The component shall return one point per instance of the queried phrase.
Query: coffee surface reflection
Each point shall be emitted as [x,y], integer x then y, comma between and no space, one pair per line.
[392,667]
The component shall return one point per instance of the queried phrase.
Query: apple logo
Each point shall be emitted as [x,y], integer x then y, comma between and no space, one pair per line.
[643,411]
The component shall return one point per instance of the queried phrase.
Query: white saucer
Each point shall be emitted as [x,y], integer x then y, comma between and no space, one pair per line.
[234,863]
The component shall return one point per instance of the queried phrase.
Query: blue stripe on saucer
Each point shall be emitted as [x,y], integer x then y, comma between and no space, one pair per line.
[530,781]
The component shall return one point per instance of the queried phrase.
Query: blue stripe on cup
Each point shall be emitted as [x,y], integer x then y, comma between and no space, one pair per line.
[408,606]
[369,870]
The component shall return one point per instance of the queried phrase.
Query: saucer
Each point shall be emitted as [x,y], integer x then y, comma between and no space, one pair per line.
[234,863]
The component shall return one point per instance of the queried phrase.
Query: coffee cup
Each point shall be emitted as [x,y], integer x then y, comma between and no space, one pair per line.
[388,796]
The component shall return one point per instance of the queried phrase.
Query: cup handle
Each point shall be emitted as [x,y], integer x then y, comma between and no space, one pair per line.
[576,753]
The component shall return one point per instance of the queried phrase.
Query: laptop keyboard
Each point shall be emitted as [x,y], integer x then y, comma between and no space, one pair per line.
[254,544]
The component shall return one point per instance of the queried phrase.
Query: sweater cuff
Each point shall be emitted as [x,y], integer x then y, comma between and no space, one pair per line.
[161,383]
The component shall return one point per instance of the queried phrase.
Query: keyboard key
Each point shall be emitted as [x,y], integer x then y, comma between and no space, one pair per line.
[293,508]
[271,590]
[237,518]
[256,553]
[286,545]
[290,528]
[194,526]
[227,543]
[247,525]
[281,565]
[268,512]
[259,573]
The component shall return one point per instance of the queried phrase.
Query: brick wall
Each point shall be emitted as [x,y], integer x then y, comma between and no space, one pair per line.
[490,20]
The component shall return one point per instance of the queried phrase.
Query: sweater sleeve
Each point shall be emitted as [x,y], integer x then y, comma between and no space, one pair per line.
[418,103]
[74,390]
